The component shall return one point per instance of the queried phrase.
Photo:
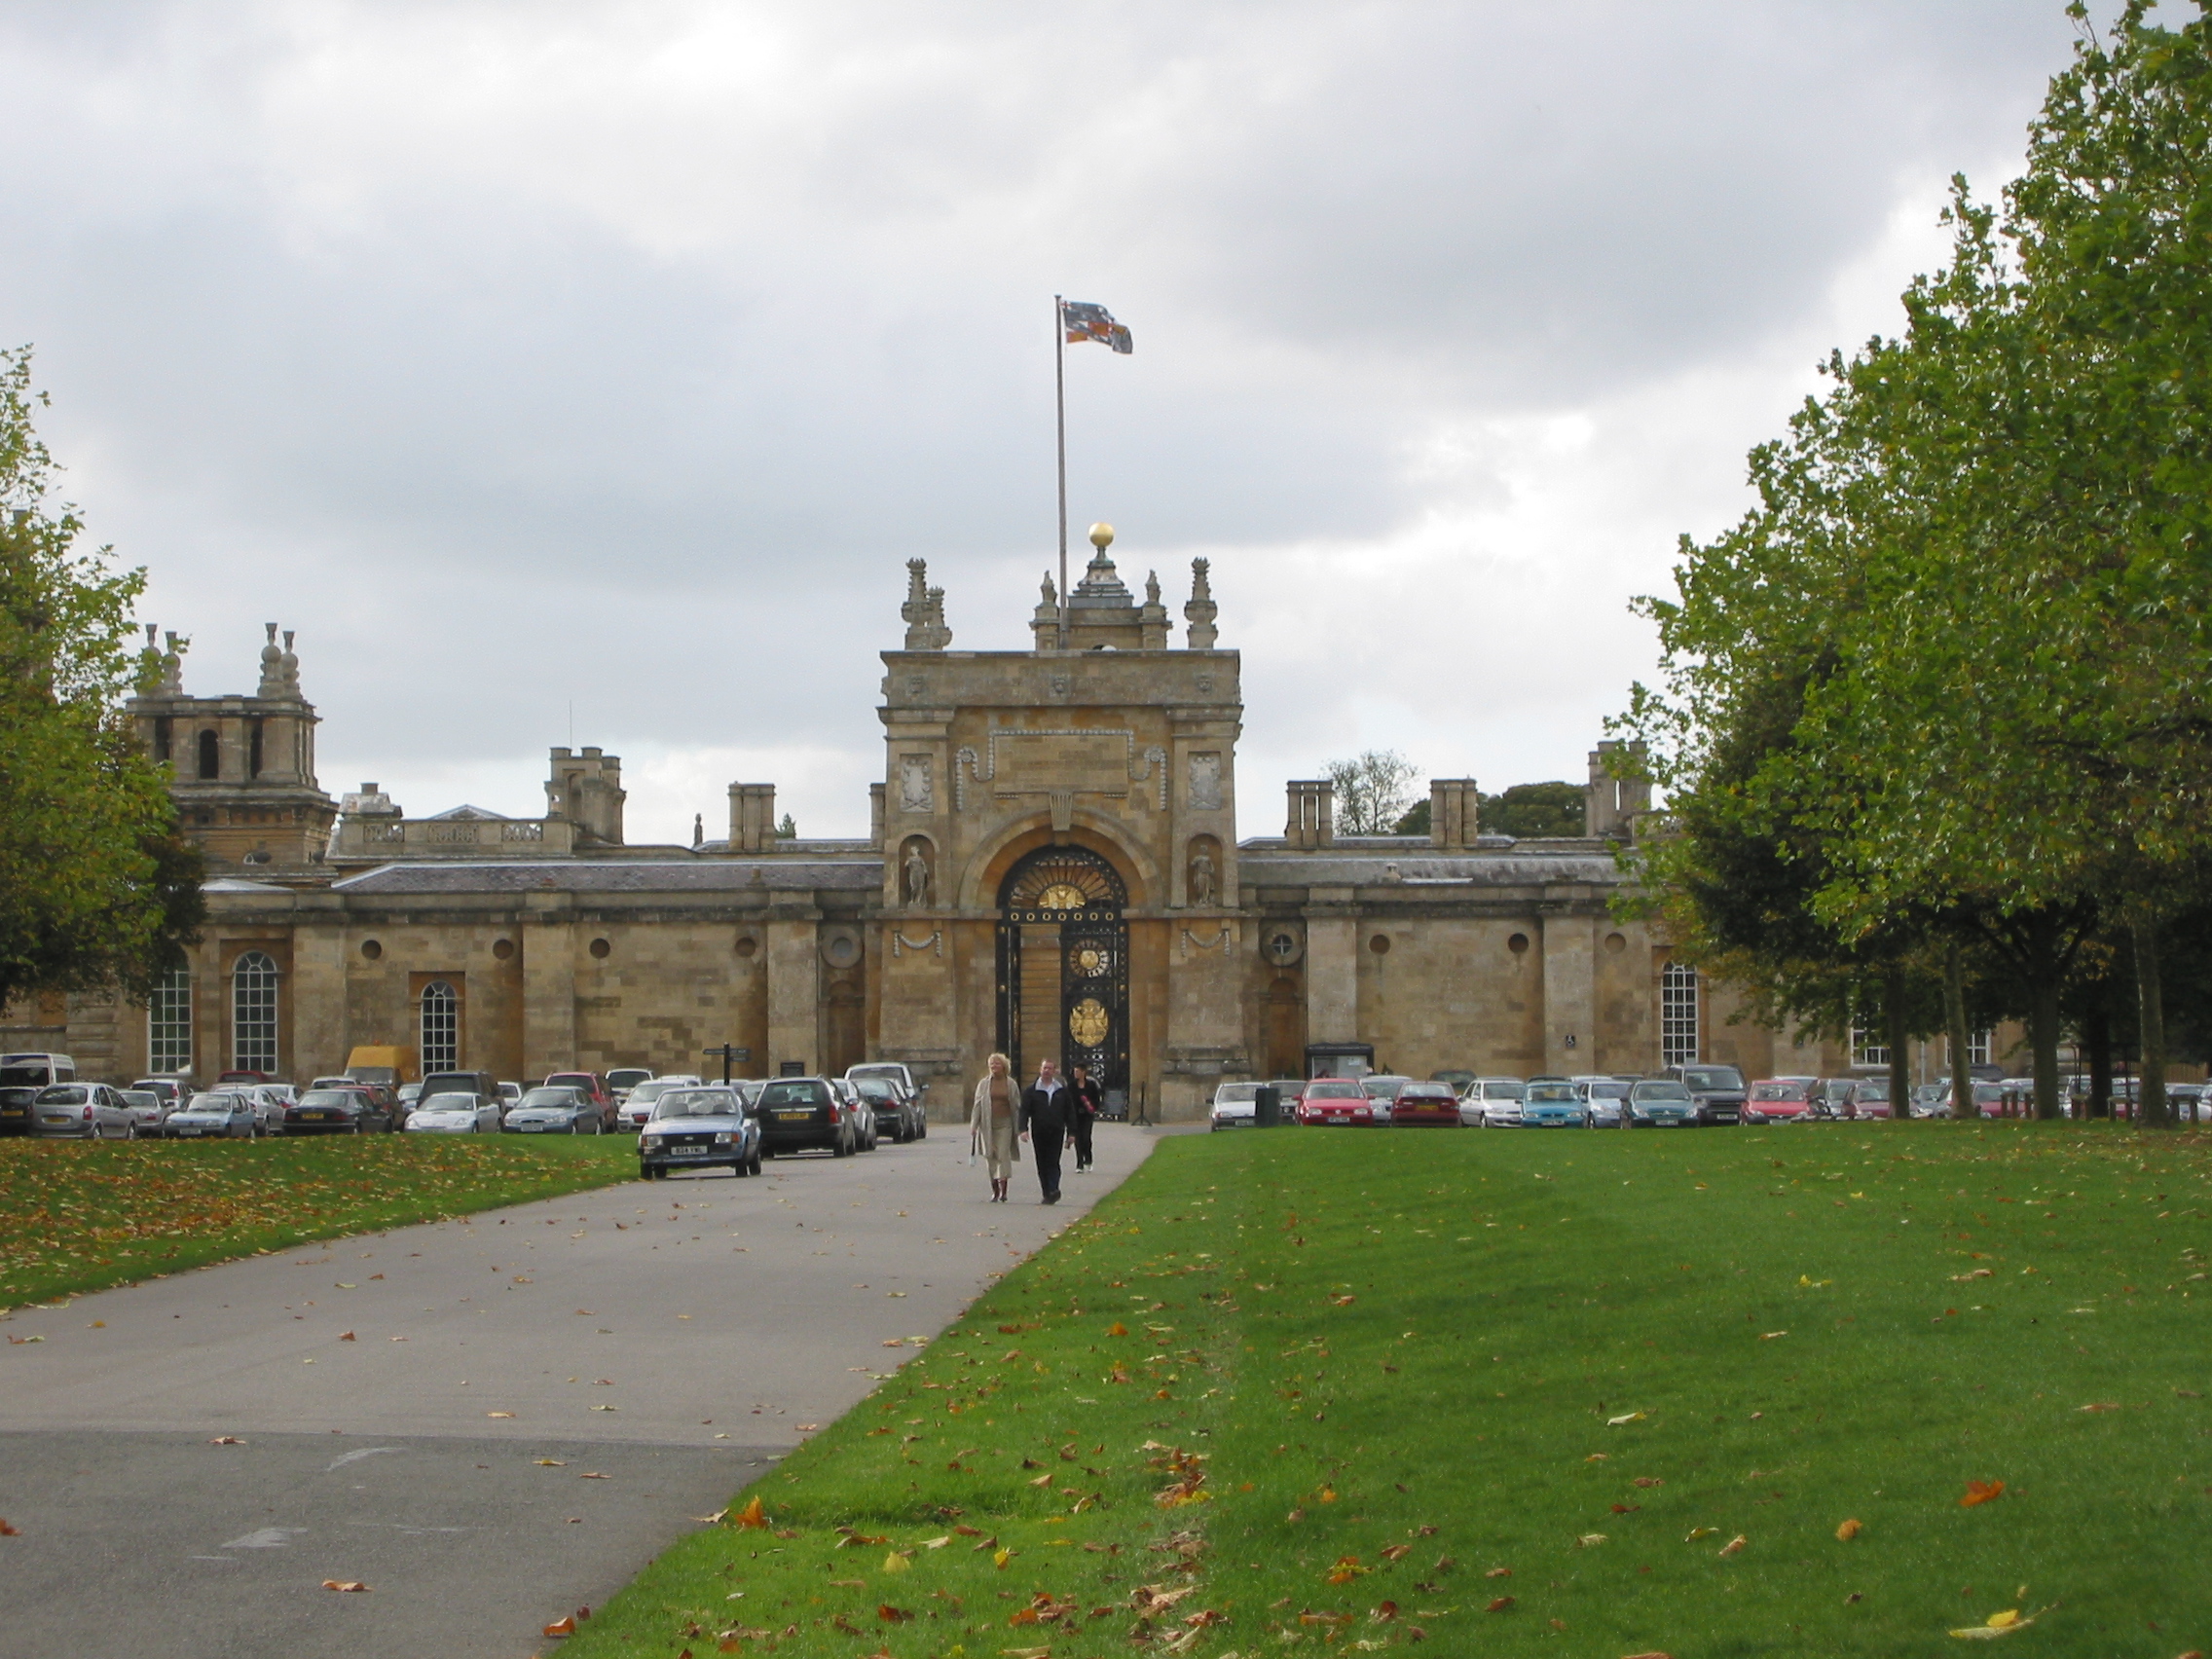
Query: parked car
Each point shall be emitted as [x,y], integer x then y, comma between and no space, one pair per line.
[1236,1105]
[1493,1103]
[857,1108]
[509,1093]
[144,1111]
[220,1113]
[1338,1102]
[897,1113]
[1382,1089]
[638,1105]
[22,1077]
[351,1110]
[2187,1103]
[1606,1098]
[1716,1090]
[705,1126]
[270,1102]
[897,1069]
[455,1112]
[1780,1099]
[622,1079]
[1869,1098]
[1829,1097]
[1426,1105]
[481,1084]
[562,1111]
[1932,1100]
[408,1093]
[801,1114]
[1661,1103]
[173,1090]
[1458,1080]
[80,1111]
[1555,1104]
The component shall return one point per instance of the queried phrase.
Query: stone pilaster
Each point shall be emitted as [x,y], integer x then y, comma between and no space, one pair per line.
[1570,994]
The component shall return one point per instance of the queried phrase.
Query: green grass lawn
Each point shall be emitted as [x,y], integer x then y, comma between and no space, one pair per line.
[81,1215]
[1590,1394]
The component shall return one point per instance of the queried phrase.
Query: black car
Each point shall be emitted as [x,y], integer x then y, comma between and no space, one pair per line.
[337,1111]
[898,1117]
[1717,1091]
[698,1128]
[799,1114]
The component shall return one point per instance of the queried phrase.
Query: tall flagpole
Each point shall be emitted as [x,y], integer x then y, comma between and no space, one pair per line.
[1061,408]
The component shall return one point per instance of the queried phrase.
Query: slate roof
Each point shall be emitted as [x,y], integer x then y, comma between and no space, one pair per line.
[622,875]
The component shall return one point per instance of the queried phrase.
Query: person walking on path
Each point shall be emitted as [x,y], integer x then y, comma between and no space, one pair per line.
[1048,1108]
[992,1116]
[1089,1101]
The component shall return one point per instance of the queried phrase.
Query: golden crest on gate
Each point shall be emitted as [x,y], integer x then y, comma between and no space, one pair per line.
[1087,1024]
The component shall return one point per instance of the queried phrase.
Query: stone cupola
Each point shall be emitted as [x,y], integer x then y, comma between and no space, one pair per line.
[1102,614]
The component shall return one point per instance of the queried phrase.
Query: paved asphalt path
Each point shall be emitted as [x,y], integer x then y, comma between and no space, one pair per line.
[425,1410]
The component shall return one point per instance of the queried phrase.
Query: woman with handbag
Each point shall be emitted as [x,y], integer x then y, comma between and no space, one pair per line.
[993,1123]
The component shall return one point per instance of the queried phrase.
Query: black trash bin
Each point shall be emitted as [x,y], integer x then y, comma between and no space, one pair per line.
[1267,1106]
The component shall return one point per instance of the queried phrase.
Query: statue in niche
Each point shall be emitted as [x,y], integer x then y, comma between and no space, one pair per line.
[916,874]
[1202,892]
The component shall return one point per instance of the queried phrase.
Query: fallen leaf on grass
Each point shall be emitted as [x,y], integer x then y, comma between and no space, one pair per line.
[1394,1551]
[1624,1417]
[1697,1533]
[753,1515]
[1769,1335]
[1499,1572]
[1982,1491]
[1384,1612]
[893,1615]
[1648,1481]
[1998,1624]
[1342,1301]
[1849,1530]
[1590,1540]
[2099,1406]
[937,1544]
[351,1585]
[898,1561]
[1626,1508]
[1347,1569]
[1499,1605]
[1117,1329]
[1734,1546]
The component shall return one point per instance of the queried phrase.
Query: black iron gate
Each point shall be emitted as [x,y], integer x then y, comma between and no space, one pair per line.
[1067,899]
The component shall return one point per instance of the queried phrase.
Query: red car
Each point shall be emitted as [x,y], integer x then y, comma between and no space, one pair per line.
[1779,1100]
[1426,1105]
[1341,1100]
[589,1086]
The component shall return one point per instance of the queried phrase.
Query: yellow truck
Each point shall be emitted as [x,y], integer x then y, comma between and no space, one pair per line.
[381,1063]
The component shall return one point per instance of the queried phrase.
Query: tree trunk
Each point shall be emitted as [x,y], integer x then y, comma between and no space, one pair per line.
[2096,1037]
[1893,1020]
[1955,1017]
[2150,1090]
[2043,1010]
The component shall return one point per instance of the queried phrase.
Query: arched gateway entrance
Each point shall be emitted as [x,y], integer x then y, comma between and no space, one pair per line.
[1063,965]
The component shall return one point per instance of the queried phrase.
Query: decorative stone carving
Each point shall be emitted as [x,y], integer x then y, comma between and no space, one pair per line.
[1200,611]
[1204,892]
[1205,780]
[924,611]
[915,791]
[914,873]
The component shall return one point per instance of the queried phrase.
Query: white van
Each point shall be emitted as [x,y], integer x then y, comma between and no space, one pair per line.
[22,1077]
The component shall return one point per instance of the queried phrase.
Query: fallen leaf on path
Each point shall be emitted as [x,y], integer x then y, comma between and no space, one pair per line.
[226,1440]
[1849,1530]
[594,1475]
[345,1335]
[499,1413]
[1982,1491]
[8,1531]
[349,1585]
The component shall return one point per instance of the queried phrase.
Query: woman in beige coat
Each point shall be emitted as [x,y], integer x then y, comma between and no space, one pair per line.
[994,1123]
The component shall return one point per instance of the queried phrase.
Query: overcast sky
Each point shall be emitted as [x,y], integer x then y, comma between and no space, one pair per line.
[539,354]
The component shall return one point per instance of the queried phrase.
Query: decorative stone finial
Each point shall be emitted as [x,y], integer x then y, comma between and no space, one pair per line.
[1201,610]
[291,665]
[172,664]
[1101,537]
[1152,620]
[924,611]
[271,665]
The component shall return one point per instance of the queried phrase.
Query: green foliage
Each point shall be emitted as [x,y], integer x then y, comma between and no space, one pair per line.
[1397,1360]
[96,888]
[1416,819]
[788,828]
[1373,790]
[1535,810]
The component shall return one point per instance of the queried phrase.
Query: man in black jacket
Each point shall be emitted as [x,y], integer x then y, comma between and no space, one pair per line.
[1089,1101]
[1048,1108]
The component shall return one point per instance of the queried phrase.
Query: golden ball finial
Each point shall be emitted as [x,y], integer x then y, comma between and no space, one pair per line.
[1101,537]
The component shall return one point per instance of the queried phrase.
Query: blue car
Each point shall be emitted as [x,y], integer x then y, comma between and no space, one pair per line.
[1554,1106]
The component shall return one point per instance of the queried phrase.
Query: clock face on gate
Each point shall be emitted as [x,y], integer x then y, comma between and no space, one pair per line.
[1089,960]
[1062,895]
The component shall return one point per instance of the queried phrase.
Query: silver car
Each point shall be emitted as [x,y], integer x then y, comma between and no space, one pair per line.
[220,1114]
[1606,1098]
[142,1112]
[79,1111]
[455,1115]
[1493,1103]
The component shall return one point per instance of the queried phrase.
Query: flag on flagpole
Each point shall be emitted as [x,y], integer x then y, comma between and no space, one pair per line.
[1093,322]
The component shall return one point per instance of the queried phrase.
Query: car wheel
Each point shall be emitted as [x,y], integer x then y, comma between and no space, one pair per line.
[838,1148]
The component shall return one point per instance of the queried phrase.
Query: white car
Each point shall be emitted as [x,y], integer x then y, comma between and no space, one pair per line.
[637,1106]
[1236,1105]
[1493,1103]
[455,1115]
[219,1113]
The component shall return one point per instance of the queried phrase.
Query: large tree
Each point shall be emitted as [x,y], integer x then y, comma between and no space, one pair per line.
[97,890]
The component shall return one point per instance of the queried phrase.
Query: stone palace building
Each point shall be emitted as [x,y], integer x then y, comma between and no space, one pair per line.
[1052,870]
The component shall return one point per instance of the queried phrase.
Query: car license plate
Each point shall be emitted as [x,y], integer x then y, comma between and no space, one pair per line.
[794,1117]
[692,1152]
[314,1116]
[528,1128]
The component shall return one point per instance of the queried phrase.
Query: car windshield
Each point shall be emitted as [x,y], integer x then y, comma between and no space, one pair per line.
[1609,1091]
[1503,1089]
[695,1103]
[552,1097]
[142,1097]
[627,1078]
[649,1091]
[1777,1091]
[808,1093]
[858,1072]
[62,1095]
[1873,1089]
[1229,1091]
[1553,1095]
[1335,1092]
[875,1088]
[449,1103]
[1427,1092]
[1659,1091]
[327,1097]
[1712,1076]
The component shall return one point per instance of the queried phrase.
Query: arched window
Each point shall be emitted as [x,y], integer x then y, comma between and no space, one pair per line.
[441,1027]
[168,1023]
[211,756]
[1677,1014]
[253,1013]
